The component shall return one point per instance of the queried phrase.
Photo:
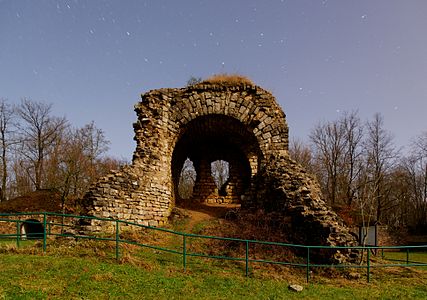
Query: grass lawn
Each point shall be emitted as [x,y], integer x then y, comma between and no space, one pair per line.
[88,271]
[414,257]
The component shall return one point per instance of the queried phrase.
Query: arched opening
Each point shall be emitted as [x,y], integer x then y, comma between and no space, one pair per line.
[221,174]
[32,229]
[224,155]
[187,178]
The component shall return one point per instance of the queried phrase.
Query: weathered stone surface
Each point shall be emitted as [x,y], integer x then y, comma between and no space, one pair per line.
[295,288]
[241,124]
[284,187]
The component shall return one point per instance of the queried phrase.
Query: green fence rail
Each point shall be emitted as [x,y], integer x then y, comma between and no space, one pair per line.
[366,262]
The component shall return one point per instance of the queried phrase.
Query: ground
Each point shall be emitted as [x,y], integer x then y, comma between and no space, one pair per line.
[37,201]
[199,212]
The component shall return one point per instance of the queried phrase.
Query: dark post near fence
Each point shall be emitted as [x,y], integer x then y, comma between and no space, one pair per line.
[368,264]
[117,239]
[407,255]
[247,259]
[308,264]
[18,233]
[44,233]
[184,252]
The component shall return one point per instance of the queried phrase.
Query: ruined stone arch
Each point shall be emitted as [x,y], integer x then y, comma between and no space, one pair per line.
[239,122]
[208,138]
[245,118]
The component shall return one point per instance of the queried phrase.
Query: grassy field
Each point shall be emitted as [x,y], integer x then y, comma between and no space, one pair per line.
[87,270]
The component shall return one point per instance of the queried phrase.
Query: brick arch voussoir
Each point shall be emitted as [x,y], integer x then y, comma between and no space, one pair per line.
[245,110]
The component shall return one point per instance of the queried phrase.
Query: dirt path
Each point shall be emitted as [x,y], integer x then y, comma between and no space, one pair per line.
[196,217]
[199,213]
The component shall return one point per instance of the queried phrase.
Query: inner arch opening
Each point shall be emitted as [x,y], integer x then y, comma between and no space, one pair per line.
[220,172]
[225,155]
[187,178]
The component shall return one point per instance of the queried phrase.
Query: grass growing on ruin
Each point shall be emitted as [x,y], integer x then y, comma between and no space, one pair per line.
[228,79]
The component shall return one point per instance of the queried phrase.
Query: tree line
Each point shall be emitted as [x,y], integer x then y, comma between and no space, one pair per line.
[363,175]
[39,150]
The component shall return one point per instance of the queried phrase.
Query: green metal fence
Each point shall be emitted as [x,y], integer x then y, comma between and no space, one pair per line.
[50,223]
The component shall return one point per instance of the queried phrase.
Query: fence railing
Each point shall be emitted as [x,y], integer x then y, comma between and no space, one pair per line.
[18,226]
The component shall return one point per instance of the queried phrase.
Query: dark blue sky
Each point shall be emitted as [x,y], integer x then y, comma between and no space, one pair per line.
[92,59]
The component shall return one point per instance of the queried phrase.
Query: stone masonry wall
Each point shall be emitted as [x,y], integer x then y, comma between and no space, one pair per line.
[145,192]
[206,122]
[287,191]
[121,195]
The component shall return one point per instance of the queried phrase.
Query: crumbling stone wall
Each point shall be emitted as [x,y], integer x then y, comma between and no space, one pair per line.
[285,190]
[241,124]
[203,122]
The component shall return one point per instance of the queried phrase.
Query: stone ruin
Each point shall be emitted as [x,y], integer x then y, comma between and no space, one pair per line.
[238,123]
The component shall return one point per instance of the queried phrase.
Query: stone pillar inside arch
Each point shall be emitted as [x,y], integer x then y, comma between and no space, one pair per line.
[237,185]
[205,189]
[253,163]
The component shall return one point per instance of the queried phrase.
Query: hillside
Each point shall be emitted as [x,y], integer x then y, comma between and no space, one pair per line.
[37,201]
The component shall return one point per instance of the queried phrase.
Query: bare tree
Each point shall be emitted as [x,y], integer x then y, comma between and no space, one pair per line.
[220,173]
[93,140]
[329,145]
[358,165]
[21,182]
[39,132]
[380,157]
[366,204]
[401,182]
[353,134]
[77,160]
[47,153]
[421,144]
[187,180]
[302,154]
[416,167]
[6,141]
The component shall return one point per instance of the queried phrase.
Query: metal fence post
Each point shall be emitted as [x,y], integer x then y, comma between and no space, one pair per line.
[44,232]
[117,239]
[18,233]
[247,259]
[368,265]
[184,252]
[308,265]
[407,256]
